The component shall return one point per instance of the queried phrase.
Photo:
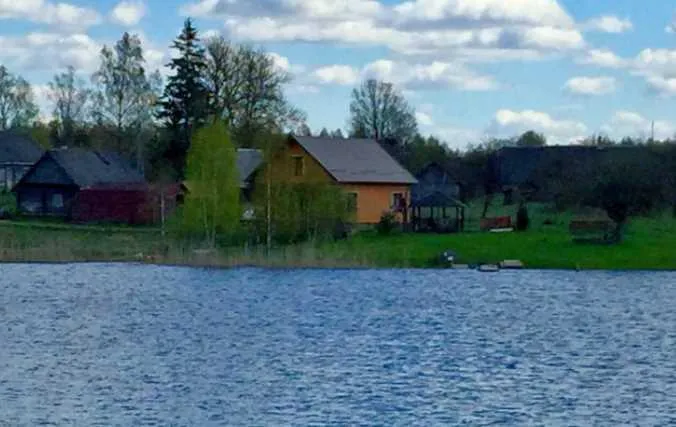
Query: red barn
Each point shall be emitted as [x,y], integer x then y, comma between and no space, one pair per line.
[85,186]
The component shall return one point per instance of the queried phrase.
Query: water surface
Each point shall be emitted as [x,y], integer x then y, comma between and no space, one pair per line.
[102,345]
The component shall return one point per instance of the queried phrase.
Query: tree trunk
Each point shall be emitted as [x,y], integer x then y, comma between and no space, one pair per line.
[268,207]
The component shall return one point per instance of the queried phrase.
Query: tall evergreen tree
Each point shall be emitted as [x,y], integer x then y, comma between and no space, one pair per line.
[184,107]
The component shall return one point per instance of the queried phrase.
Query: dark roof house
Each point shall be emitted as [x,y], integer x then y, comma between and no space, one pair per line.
[17,154]
[248,162]
[82,185]
[356,160]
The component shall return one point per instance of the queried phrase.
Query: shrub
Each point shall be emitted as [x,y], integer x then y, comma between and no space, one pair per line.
[387,224]
[522,220]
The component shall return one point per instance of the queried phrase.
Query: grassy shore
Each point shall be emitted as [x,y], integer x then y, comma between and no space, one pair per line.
[650,243]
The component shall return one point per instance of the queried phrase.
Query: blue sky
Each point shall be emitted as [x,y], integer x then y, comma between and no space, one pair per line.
[473,69]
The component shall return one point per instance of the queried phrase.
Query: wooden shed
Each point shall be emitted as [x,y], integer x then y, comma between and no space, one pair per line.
[84,186]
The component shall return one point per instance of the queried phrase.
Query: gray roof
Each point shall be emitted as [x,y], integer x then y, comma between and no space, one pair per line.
[88,168]
[18,149]
[356,160]
[248,161]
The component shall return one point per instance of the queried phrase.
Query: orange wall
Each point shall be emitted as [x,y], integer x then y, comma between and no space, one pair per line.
[374,199]
[283,166]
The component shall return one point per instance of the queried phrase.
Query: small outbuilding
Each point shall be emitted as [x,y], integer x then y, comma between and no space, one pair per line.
[84,186]
[17,154]
[435,204]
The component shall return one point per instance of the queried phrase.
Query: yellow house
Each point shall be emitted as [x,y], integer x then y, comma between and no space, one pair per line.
[373,180]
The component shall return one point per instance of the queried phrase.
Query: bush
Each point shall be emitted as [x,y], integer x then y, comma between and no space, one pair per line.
[522,220]
[387,224]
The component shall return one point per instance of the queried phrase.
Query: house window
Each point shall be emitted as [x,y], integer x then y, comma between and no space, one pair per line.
[352,202]
[398,202]
[298,166]
[57,201]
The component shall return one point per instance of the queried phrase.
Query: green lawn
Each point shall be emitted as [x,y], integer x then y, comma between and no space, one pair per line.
[650,243]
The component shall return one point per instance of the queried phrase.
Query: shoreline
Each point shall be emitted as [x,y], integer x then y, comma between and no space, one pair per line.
[327,266]
[650,245]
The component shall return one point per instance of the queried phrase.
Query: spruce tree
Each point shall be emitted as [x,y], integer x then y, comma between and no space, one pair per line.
[184,107]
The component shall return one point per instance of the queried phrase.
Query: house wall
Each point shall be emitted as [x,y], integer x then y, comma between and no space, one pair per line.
[111,205]
[47,172]
[45,200]
[282,167]
[11,174]
[374,199]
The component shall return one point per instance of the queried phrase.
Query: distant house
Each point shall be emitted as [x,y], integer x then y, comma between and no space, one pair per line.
[17,154]
[373,180]
[248,162]
[435,203]
[537,170]
[83,185]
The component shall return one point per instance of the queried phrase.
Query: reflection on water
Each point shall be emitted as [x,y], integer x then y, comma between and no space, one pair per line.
[131,345]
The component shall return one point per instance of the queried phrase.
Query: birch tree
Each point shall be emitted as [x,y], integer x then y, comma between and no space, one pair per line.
[212,206]
[125,95]
[17,103]
[70,97]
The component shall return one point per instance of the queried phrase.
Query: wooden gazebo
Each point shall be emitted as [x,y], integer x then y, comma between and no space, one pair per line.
[437,212]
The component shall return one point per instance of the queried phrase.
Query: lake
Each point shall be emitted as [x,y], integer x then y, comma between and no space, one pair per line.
[101,345]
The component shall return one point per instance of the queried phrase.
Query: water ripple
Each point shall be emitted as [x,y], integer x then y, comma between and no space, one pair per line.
[102,345]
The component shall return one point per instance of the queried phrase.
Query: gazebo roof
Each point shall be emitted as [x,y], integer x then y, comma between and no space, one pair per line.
[437,199]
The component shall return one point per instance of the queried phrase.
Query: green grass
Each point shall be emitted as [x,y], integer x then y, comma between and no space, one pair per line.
[649,243]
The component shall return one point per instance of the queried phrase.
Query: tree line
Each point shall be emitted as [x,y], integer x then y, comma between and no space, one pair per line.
[127,107]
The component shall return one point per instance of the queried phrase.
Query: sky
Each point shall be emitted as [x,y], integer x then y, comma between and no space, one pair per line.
[472,69]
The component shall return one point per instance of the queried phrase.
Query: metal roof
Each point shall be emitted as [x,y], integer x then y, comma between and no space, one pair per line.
[356,160]
[18,149]
[88,168]
[248,161]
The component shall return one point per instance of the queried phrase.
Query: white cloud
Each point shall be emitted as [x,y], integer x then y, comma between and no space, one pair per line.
[50,51]
[658,68]
[456,137]
[337,74]
[662,86]
[534,12]
[426,76]
[408,77]
[510,123]
[553,38]
[671,28]
[42,11]
[281,62]
[424,119]
[591,85]
[662,61]
[602,58]
[303,89]
[471,30]
[629,123]
[128,13]
[610,24]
